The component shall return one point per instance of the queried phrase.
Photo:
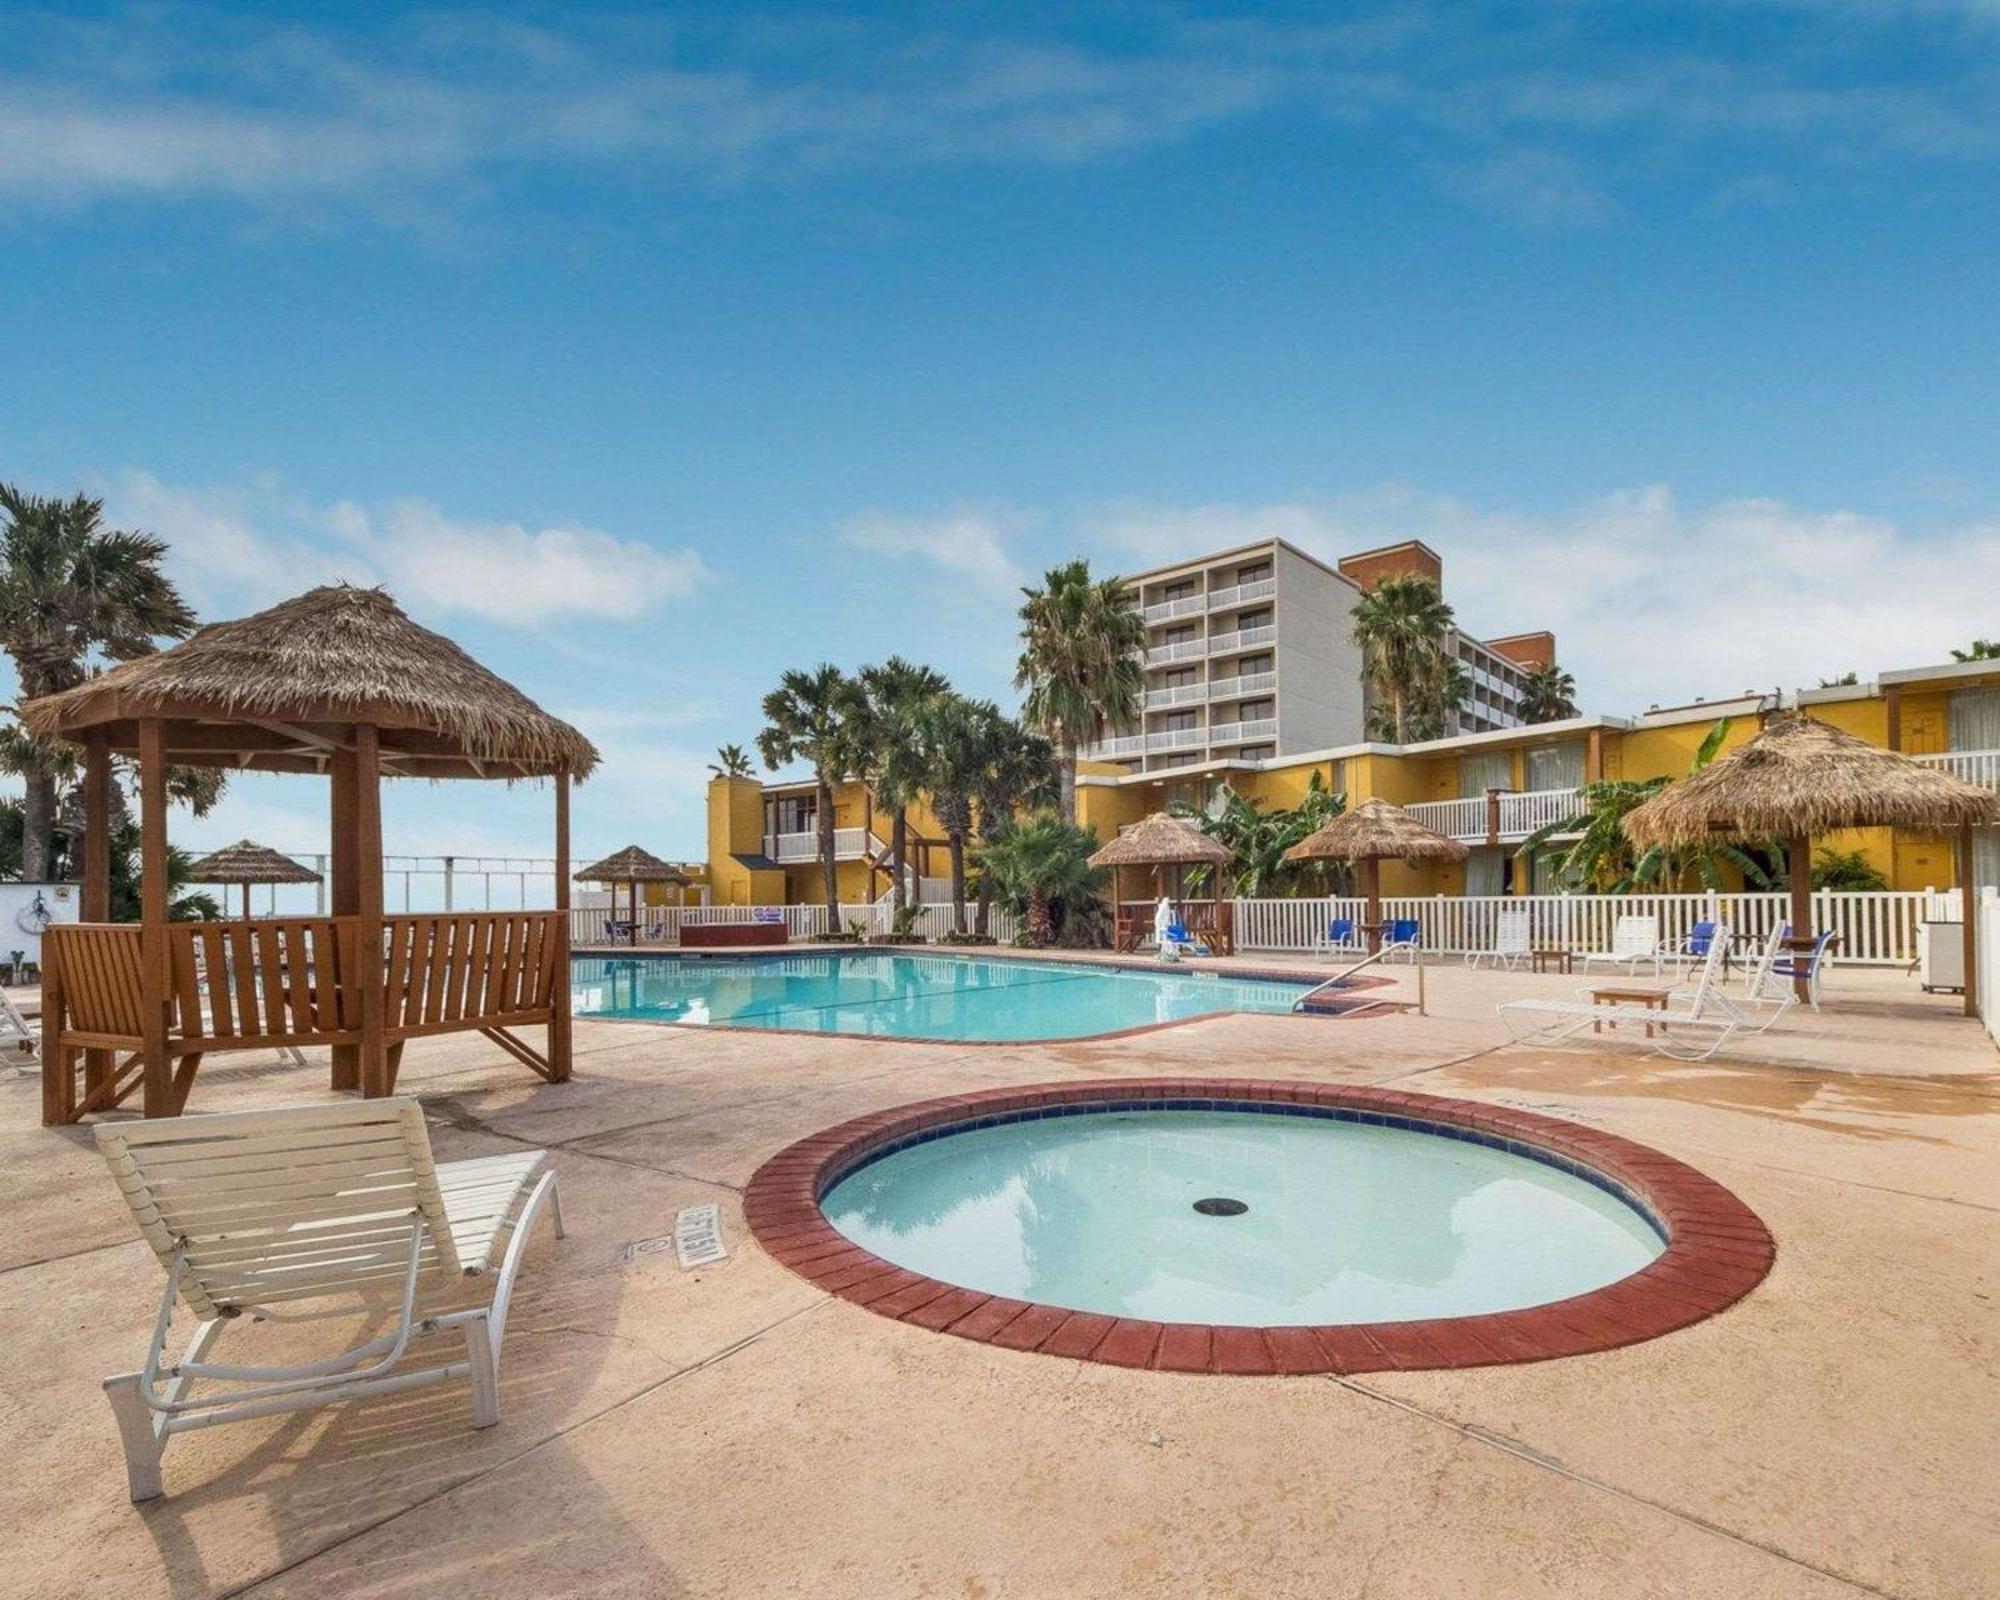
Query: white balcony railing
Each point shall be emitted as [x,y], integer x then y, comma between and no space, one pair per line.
[849,844]
[1180,650]
[1177,739]
[1974,766]
[1242,639]
[1191,605]
[1179,694]
[1243,683]
[1242,594]
[1242,732]
[1519,814]
[1133,744]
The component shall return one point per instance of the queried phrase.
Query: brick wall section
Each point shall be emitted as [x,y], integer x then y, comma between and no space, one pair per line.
[1370,567]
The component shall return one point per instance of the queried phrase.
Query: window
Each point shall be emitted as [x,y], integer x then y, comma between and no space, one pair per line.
[1258,752]
[1179,678]
[1260,618]
[1179,589]
[1252,664]
[1179,634]
[1477,774]
[792,813]
[1253,710]
[1257,572]
[1177,722]
[1556,766]
[1975,720]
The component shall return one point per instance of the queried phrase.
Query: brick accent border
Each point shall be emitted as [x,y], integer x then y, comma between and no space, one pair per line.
[1717,1249]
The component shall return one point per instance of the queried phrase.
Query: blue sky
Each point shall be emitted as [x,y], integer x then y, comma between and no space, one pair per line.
[650,351]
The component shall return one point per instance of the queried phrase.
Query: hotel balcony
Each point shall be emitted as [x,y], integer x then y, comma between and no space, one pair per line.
[1179,694]
[1244,683]
[1115,749]
[1191,605]
[1177,739]
[1184,650]
[1507,818]
[1242,594]
[849,844]
[1243,732]
[1974,766]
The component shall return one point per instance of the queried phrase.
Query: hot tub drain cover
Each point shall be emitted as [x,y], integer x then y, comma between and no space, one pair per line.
[1217,1206]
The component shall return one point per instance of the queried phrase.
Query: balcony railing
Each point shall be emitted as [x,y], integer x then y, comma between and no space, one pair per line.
[1180,650]
[1191,605]
[1179,694]
[849,844]
[1471,821]
[1133,744]
[1242,594]
[1242,732]
[1243,683]
[1242,639]
[1177,739]
[1974,766]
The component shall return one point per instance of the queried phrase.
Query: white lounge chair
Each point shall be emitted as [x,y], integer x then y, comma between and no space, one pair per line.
[316,1207]
[1701,1007]
[20,1040]
[1511,943]
[1635,943]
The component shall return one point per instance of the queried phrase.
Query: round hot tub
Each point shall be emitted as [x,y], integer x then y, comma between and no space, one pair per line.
[1256,1227]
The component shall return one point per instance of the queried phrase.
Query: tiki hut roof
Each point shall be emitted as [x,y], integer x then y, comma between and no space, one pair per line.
[1376,831]
[1162,841]
[248,862]
[1801,777]
[276,692]
[632,865]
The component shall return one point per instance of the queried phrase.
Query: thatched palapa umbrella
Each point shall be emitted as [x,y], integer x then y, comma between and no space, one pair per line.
[1373,832]
[1162,841]
[632,867]
[247,862]
[1799,778]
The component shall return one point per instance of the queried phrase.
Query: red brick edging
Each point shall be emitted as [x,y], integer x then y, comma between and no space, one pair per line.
[1717,1250]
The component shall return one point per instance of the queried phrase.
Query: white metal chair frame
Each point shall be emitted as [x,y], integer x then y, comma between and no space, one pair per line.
[285,1221]
[21,1041]
[1707,1008]
[1635,942]
[1512,943]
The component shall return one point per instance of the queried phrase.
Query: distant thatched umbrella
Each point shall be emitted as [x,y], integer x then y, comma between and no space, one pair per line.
[1162,841]
[247,862]
[1799,778]
[632,867]
[1373,832]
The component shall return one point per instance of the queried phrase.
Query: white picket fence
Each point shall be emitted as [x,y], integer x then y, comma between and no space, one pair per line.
[661,925]
[1875,927]
[1989,961]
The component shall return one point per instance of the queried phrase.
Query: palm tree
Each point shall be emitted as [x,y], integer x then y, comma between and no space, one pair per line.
[1401,626]
[962,740]
[70,587]
[1080,644]
[901,695]
[1041,869]
[731,761]
[816,717]
[1979,650]
[1019,778]
[1548,694]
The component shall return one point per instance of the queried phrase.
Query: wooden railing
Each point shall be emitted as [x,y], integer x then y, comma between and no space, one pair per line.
[283,982]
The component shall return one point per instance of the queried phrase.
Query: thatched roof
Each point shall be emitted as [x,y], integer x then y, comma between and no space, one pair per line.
[249,862]
[632,865]
[1376,831]
[1804,777]
[1162,841]
[276,692]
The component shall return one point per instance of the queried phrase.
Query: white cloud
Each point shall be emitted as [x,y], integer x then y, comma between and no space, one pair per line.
[246,543]
[967,545]
[1651,601]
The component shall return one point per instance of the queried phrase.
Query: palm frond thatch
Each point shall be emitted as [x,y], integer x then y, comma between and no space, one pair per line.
[246,861]
[337,655]
[1375,830]
[632,865]
[1162,841]
[1801,777]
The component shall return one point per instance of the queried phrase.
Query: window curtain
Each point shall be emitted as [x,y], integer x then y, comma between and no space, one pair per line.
[1975,719]
[1986,857]
[1486,871]
[1477,774]
[1556,766]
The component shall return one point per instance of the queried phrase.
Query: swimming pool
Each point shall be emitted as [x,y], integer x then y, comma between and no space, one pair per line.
[911,996]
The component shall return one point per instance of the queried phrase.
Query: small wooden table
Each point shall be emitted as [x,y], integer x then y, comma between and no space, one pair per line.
[1563,961]
[1628,995]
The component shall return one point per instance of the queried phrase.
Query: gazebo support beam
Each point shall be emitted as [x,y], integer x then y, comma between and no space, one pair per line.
[97,1064]
[375,1080]
[346,896]
[155,984]
[1968,897]
[559,1018]
[1798,859]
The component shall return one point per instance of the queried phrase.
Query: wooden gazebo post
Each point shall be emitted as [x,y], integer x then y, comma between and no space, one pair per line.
[1968,901]
[96,907]
[559,1023]
[155,983]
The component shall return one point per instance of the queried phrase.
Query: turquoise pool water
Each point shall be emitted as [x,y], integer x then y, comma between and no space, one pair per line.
[1340,1221]
[910,996]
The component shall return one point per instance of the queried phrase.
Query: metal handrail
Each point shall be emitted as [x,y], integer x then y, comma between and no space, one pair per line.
[1368,960]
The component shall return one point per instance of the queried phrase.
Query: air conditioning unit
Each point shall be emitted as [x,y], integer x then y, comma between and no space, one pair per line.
[1941,957]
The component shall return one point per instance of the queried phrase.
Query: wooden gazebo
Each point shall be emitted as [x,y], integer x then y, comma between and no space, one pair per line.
[247,863]
[632,867]
[1159,842]
[1373,832]
[337,682]
[1800,777]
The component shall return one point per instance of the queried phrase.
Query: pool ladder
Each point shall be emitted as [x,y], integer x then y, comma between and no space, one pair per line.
[1369,960]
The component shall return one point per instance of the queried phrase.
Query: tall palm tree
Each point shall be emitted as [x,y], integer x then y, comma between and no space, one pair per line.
[731,761]
[962,738]
[1548,694]
[901,695]
[1401,626]
[70,588]
[1080,644]
[1020,778]
[815,717]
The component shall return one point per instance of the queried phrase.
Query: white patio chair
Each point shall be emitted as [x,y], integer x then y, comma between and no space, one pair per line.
[1635,943]
[20,1039]
[1511,943]
[312,1208]
[1701,1006]
[1762,988]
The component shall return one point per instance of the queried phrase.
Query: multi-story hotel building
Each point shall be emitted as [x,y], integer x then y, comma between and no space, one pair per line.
[1250,655]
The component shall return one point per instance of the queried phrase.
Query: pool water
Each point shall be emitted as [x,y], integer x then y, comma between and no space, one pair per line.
[1339,1221]
[911,996]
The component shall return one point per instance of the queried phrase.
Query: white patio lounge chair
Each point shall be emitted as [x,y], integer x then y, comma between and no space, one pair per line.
[319,1208]
[1635,943]
[1511,944]
[1762,989]
[1701,1007]
[20,1039]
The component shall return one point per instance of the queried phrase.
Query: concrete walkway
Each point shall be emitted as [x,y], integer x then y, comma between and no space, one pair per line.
[732,1431]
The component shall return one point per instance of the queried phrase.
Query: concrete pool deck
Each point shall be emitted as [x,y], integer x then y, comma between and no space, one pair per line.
[734,1431]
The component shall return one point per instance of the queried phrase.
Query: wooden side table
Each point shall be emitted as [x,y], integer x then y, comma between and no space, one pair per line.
[1628,995]
[1563,961]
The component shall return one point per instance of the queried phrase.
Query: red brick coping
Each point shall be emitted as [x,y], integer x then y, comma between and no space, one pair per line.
[1717,1250]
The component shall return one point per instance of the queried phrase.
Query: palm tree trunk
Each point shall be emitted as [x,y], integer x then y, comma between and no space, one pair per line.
[958,881]
[829,868]
[38,827]
[899,846]
[1041,926]
[1066,760]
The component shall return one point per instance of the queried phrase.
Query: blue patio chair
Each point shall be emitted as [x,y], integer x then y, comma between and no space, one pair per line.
[1405,932]
[1787,967]
[1692,949]
[1181,942]
[1339,938]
